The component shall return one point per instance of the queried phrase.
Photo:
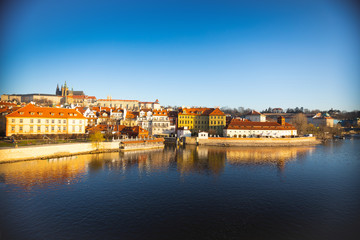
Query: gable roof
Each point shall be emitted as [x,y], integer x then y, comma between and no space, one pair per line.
[259,125]
[253,112]
[45,112]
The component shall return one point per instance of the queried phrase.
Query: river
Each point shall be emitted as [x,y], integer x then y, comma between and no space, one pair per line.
[186,193]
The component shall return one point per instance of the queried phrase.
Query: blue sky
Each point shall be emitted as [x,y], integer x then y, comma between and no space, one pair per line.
[255,54]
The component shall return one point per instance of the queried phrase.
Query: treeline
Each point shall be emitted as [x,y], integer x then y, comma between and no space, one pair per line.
[303,127]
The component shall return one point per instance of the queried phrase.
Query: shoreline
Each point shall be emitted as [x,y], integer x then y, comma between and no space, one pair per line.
[42,152]
[253,142]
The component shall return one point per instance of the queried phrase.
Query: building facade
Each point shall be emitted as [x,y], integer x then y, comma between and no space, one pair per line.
[255,116]
[45,120]
[211,120]
[242,129]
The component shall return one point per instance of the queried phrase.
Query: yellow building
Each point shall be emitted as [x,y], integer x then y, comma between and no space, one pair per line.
[211,120]
[45,120]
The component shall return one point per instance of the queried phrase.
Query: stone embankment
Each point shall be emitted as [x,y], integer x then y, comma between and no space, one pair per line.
[53,150]
[253,142]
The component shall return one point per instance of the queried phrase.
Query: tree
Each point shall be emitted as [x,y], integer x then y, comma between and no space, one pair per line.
[96,138]
[300,122]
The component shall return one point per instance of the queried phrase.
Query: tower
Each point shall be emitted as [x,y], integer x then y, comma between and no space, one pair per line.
[281,120]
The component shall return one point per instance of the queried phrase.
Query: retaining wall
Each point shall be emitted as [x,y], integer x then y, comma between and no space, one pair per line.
[253,142]
[53,150]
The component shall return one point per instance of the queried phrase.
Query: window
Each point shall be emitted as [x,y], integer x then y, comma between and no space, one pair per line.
[21,128]
[12,128]
[61,114]
[59,121]
[80,121]
[31,128]
[39,120]
[40,113]
[21,113]
[21,121]
[80,128]
[52,128]
[64,128]
[12,120]
[38,128]
[47,120]
[73,128]
[46,128]
[32,113]
[64,121]
[59,128]
[53,121]
[74,121]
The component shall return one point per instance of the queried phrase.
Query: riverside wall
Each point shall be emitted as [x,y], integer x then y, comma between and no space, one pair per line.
[53,150]
[253,142]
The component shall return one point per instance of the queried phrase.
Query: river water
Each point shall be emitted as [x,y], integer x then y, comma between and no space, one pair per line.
[186,193]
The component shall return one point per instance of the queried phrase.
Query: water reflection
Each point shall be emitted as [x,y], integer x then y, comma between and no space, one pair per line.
[200,160]
[191,159]
[268,155]
[44,172]
[144,161]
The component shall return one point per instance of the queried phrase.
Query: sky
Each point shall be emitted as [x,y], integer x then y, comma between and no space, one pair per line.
[255,54]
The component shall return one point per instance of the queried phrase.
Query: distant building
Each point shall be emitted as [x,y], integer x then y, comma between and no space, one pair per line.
[277,110]
[322,119]
[133,105]
[62,95]
[255,116]
[45,120]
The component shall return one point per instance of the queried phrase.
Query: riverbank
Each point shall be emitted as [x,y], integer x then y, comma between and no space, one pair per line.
[65,150]
[53,151]
[253,142]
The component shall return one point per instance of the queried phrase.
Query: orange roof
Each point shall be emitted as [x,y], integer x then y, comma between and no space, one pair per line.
[109,100]
[201,111]
[160,113]
[217,112]
[3,103]
[259,125]
[131,114]
[45,112]
[253,112]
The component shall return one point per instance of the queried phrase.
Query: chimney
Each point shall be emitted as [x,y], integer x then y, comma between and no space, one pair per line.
[281,120]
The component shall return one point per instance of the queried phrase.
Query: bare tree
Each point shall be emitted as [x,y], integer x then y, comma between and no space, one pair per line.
[300,122]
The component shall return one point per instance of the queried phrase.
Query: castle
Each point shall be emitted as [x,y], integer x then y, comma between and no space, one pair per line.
[65,92]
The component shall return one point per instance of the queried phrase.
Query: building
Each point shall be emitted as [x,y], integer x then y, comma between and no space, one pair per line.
[183,132]
[61,96]
[322,119]
[211,120]
[161,125]
[133,105]
[144,119]
[39,98]
[255,116]
[45,120]
[64,91]
[277,110]
[151,105]
[238,129]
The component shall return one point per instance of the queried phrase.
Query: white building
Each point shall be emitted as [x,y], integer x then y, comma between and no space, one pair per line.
[183,132]
[161,124]
[239,129]
[255,116]
[145,119]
